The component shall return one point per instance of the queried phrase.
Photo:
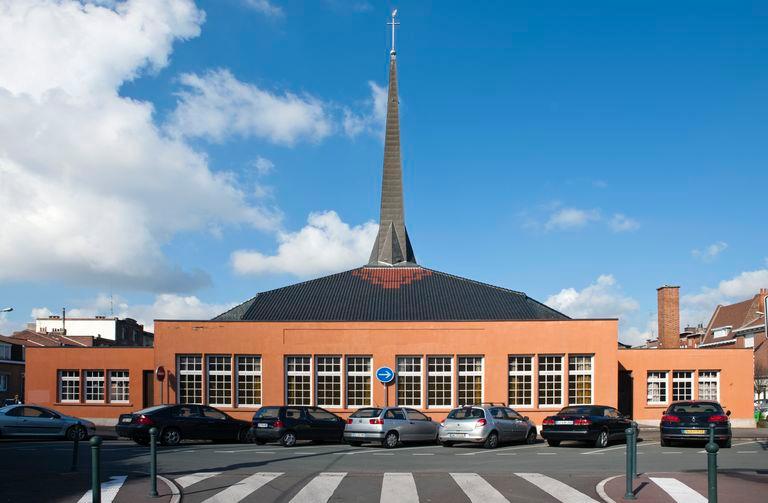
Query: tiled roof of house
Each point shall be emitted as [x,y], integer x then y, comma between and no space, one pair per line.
[50,339]
[740,317]
[391,294]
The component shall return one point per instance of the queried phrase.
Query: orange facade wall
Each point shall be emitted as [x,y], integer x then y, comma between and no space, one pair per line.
[735,367]
[384,342]
[45,363]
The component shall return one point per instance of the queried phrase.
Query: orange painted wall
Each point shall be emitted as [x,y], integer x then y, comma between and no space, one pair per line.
[495,341]
[44,363]
[736,378]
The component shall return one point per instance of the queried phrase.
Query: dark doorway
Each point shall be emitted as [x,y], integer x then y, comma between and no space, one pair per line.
[625,392]
[149,388]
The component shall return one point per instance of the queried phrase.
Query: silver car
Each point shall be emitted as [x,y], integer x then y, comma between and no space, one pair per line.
[390,426]
[36,421]
[487,425]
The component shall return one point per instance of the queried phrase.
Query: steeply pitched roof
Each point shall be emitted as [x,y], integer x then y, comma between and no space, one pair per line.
[391,294]
[740,316]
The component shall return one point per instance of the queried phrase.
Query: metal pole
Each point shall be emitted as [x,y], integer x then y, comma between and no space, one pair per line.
[75,451]
[712,449]
[630,471]
[153,462]
[635,434]
[95,469]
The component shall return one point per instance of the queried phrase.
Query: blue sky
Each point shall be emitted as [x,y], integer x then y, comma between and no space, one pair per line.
[182,157]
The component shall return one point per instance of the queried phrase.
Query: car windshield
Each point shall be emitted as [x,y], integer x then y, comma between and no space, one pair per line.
[466,413]
[267,413]
[580,411]
[150,410]
[695,408]
[367,413]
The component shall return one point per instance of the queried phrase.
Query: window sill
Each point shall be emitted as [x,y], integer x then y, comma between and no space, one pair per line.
[93,404]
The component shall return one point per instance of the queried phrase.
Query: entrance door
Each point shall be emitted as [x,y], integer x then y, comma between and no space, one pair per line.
[148,385]
[625,392]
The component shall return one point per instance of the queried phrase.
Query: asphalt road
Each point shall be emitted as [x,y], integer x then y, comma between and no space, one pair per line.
[39,471]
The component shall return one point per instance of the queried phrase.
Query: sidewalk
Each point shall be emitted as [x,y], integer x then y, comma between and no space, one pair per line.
[741,486]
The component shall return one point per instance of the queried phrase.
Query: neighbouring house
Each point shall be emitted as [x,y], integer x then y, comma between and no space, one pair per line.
[12,355]
[122,332]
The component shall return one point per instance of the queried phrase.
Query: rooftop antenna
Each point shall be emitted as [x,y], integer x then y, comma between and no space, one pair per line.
[393,23]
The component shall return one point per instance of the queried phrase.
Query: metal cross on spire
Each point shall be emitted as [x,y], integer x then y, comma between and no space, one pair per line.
[393,23]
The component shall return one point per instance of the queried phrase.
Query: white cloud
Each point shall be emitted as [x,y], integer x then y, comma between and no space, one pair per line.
[710,253]
[571,218]
[622,223]
[215,106]
[263,165]
[698,307]
[265,7]
[373,119]
[326,244]
[91,189]
[601,299]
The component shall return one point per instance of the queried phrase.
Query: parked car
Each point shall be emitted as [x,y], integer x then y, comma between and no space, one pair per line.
[390,426]
[595,424]
[289,424]
[487,425]
[179,422]
[690,420]
[36,421]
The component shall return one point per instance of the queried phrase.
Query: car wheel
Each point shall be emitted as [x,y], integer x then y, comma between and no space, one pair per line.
[665,442]
[725,444]
[76,433]
[259,442]
[170,436]
[602,440]
[391,440]
[245,436]
[288,439]
[553,443]
[530,439]
[447,444]
[491,441]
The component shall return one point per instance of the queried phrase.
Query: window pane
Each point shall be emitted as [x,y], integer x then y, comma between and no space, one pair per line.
[359,381]
[682,385]
[118,386]
[248,381]
[551,380]
[190,377]
[220,380]
[521,381]
[94,385]
[329,381]
[69,386]
[657,387]
[470,380]
[580,380]
[298,380]
[709,381]
[439,381]
[409,380]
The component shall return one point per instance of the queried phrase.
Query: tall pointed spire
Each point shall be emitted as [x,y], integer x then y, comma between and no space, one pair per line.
[392,246]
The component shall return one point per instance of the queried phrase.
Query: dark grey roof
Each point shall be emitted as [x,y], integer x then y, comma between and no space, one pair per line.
[391,294]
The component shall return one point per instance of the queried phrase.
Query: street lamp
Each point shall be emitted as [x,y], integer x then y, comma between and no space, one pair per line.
[6,310]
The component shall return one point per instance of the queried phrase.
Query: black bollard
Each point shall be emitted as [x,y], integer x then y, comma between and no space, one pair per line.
[95,470]
[75,452]
[153,462]
[712,449]
[630,472]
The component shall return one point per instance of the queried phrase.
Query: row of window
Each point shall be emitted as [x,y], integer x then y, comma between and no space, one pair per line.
[334,381]
[94,386]
[682,386]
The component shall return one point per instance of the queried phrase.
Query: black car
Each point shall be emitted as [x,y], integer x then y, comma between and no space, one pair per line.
[177,422]
[595,424]
[690,420]
[291,423]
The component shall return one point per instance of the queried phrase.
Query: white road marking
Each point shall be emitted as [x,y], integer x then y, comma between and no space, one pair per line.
[679,492]
[746,452]
[109,490]
[239,491]
[477,489]
[423,454]
[257,451]
[320,489]
[506,454]
[193,478]
[383,453]
[302,453]
[511,448]
[600,489]
[546,453]
[672,452]
[398,449]
[398,487]
[600,451]
[175,494]
[556,489]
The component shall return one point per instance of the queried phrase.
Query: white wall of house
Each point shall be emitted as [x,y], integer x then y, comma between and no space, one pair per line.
[106,327]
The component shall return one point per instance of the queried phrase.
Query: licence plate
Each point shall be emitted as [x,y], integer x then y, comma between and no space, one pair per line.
[262,425]
[563,422]
[357,434]
[457,435]
[126,420]
[694,432]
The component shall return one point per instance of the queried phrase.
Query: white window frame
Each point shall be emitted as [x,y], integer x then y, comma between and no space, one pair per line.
[657,377]
[543,376]
[520,360]
[244,374]
[708,377]
[217,377]
[353,363]
[69,376]
[292,361]
[406,360]
[720,332]
[578,372]
[679,379]
[322,362]
[466,361]
[89,377]
[122,392]
[442,374]
[182,371]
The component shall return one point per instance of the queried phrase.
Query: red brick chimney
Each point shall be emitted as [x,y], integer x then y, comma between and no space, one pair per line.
[669,316]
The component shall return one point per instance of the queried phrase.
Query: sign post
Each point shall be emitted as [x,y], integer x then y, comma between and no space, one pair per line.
[385,375]
[160,375]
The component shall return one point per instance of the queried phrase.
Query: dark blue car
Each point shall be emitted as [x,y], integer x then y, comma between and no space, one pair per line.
[594,424]
[690,420]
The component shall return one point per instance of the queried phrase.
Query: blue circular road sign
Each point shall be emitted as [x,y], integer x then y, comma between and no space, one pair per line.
[385,374]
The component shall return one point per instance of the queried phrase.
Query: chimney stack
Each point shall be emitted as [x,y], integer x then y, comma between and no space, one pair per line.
[669,316]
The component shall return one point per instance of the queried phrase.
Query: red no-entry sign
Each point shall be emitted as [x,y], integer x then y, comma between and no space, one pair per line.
[160,373]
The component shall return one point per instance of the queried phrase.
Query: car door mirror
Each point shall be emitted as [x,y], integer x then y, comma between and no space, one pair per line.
[526,418]
[728,413]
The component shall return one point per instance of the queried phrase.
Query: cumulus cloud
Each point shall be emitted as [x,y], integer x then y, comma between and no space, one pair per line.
[556,217]
[91,189]
[709,253]
[571,218]
[326,244]
[622,223]
[698,307]
[263,166]
[265,7]
[601,299]
[373,118]
[215,106]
